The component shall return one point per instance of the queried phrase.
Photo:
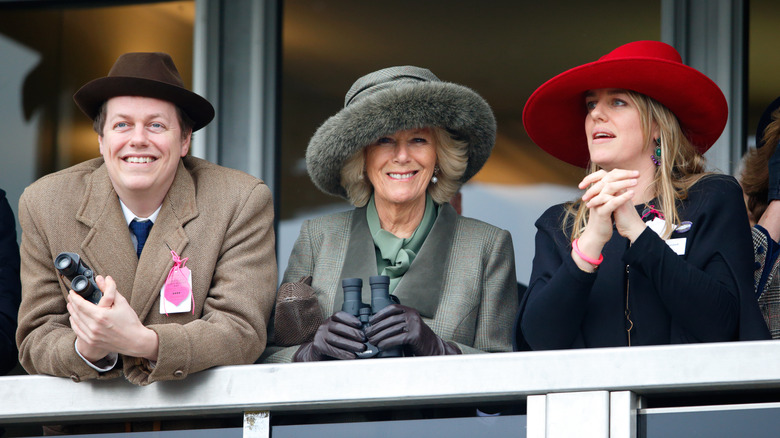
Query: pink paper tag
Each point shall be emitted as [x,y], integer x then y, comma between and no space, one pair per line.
[177,286]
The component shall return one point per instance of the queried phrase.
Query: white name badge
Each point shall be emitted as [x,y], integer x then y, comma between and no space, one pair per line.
[677,245]
[185,303]
[658,225]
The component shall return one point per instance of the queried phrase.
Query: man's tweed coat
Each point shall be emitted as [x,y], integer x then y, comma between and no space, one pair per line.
[221,219]
[462,281]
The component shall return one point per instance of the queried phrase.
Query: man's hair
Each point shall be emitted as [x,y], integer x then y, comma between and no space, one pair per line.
[451,158]
[185,122]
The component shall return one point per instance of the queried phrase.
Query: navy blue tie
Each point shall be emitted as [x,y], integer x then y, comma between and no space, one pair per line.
[141,231]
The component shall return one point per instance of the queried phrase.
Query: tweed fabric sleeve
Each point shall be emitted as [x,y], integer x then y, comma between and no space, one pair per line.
[44,336]
[766,253]
[301,262]
[768,290]
[498,300]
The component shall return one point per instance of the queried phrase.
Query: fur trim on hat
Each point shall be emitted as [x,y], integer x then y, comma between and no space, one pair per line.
[408,106]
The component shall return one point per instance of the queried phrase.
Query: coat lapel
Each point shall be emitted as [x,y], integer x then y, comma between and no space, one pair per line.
[178,208]
[421,286]
[107,249]
[360,261]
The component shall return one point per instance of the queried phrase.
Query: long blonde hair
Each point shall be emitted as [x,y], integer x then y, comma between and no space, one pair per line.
[681,166]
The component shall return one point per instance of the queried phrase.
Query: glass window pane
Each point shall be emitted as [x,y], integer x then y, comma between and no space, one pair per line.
[49,52]
[763,62]
[726,422]
[484,427]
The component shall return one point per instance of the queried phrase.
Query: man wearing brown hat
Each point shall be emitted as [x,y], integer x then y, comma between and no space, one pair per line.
[184,248]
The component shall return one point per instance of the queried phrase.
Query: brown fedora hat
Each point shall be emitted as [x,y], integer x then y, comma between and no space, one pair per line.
[144,74]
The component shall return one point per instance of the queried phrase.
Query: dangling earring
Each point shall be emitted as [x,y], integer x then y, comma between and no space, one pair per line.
[434,180]
[656,157]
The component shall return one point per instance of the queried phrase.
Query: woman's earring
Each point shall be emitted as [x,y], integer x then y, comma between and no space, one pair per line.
[656,157]
[435,179]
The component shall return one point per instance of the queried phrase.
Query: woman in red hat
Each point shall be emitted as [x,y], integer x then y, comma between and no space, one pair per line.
[657,251]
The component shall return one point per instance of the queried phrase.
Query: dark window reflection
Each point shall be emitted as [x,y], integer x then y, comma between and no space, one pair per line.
[760,422]
[484,427]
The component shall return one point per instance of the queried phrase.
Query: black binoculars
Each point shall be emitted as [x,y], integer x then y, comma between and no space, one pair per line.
[354,305]
[82,279]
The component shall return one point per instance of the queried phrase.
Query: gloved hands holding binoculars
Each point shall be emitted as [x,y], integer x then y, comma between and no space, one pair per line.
[384,328]
[399,325]
[338,337]
[341,337]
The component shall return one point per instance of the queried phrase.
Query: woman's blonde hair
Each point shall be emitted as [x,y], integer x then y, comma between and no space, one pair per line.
[451,160]
[681,166]
[755,173]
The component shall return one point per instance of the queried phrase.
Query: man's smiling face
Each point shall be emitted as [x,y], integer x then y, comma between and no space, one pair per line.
[142,144]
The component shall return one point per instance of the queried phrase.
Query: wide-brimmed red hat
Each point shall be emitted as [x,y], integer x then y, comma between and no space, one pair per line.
[554,116]
[151,74]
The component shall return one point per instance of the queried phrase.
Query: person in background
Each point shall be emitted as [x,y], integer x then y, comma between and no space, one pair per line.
[10,286]
[184,248]
[760,180]
[656,251]
[399,150]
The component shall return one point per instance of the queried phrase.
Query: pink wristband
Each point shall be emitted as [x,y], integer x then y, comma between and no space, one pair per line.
[593,262]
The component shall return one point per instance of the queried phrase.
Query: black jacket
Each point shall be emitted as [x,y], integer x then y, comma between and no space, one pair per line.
[705,295]
[10,286]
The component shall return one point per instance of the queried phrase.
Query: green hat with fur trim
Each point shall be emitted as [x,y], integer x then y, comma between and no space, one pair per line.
[396,99]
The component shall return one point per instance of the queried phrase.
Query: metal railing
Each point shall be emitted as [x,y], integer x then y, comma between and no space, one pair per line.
[591,392]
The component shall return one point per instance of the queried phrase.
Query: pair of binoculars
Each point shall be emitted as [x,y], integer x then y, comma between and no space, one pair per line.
[82,278]
[354,305]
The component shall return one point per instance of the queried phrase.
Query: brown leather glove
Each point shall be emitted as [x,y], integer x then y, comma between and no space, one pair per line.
[401,325]
[339,337]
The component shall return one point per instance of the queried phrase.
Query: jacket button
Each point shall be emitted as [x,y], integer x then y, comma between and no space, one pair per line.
[75,378]
[178,374]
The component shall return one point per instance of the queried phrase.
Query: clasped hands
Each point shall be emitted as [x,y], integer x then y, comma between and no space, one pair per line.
[110,326]
[341,336]
[609,198]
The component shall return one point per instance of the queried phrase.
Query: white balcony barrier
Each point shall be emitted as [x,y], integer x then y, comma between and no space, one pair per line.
[606,382]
